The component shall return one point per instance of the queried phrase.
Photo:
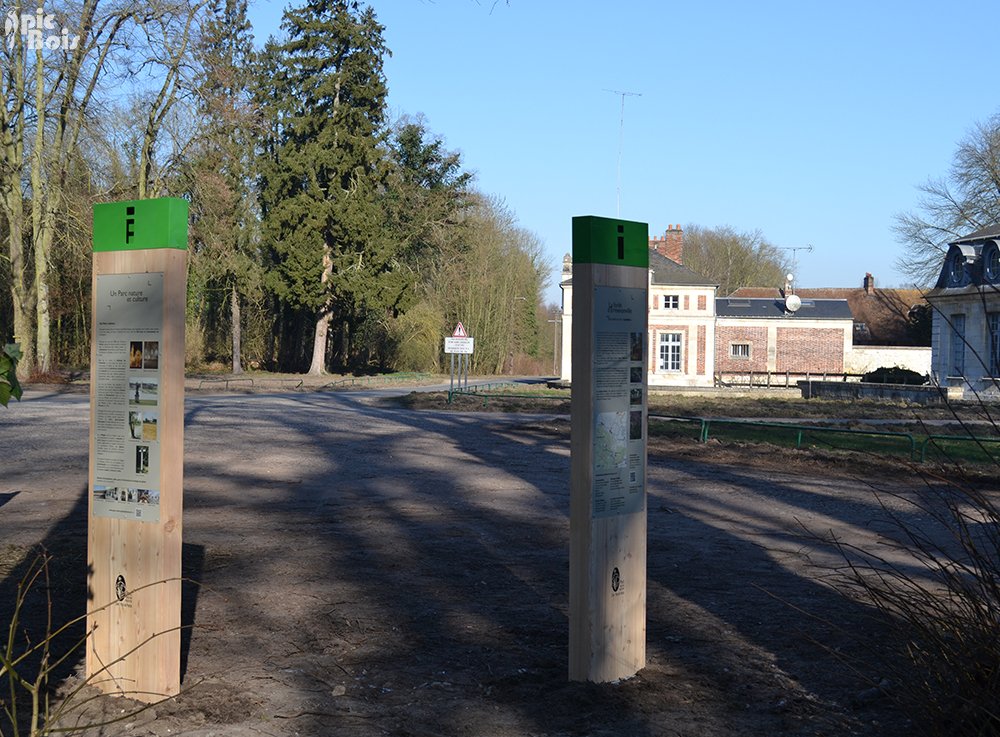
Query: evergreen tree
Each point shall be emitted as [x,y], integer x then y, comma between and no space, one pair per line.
[322,181]
[225,268]
[428,195]
[427,205]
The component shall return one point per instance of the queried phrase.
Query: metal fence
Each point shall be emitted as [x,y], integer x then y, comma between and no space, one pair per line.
[352,381]
[503,390]
[914,447]
[775,379]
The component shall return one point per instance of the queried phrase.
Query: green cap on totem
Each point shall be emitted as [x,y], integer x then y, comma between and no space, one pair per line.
[141,224]
[607,241]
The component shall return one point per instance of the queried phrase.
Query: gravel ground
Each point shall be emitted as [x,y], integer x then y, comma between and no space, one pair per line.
[370,570]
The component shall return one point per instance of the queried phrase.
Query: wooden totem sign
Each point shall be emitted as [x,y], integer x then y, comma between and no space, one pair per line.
[137,447]
[607,585]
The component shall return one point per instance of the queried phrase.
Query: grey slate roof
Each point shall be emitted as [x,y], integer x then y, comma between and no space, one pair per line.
[970,265]
[669,273]
[812,309]
[989,232]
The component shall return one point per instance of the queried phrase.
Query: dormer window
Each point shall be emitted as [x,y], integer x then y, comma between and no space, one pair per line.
[956,268]
[991,262]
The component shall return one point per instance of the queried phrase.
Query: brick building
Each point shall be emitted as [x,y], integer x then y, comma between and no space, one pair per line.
[696,338]
[883,317]
[778,335]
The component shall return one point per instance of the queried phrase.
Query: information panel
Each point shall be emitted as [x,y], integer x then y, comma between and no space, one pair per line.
[607,550]
[127,396]
[618,483]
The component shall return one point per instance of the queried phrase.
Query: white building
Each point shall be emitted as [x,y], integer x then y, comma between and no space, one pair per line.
[681,323]
[965,334]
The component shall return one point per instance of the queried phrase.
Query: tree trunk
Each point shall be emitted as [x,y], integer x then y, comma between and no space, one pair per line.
[234,307]
[40,242]
[318,365]
[345,344]
[19,295]
[12,114]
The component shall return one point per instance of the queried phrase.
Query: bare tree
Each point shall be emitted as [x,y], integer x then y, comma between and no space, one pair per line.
[54,65]
[13,113]
[494,286]
[966,200]
[168,38]
[65,87]
[733,258]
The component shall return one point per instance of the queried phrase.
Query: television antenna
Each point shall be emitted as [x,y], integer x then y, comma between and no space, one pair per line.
[621,141]
[808,248]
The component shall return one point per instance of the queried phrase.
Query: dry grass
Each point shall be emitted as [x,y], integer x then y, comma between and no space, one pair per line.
[944,603]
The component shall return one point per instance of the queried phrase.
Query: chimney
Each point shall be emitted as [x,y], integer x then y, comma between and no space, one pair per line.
[670,244]
[869,283]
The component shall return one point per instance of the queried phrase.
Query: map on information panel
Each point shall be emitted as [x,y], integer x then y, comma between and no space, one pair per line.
[611,441]
[619,401]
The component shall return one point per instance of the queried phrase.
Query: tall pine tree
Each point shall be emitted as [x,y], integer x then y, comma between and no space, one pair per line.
[321,180]
[225,261]
[427,202]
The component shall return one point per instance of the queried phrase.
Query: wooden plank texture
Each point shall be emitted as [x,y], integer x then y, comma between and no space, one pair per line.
[607,628]
[134,644]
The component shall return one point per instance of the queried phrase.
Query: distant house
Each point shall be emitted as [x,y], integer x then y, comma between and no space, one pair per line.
[884,317]
[890,326]
[965,332]
[681,324]
[681,318]
[696,337]
[778,335]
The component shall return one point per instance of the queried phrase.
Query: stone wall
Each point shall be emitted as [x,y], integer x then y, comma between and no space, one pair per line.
[862,359]
[896,392]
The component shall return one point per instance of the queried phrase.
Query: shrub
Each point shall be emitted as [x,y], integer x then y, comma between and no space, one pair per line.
[939,585]
[894,375]
[34,650]
[9,386]
[419,336]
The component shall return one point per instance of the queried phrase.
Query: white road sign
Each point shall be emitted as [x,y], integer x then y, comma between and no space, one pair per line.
[458,345]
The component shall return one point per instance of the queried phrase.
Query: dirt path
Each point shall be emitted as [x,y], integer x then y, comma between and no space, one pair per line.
[371,571]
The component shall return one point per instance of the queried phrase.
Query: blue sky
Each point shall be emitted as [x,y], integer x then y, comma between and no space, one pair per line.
[812,122]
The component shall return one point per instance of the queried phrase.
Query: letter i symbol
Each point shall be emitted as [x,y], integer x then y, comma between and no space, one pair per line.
[129,222]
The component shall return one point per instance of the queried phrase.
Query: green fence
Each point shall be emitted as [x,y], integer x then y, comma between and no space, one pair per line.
[799,436]
[961,448]
[904,444]
[227,382]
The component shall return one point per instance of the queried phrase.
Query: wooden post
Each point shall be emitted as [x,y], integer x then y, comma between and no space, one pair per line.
[136,447]
[607,586]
